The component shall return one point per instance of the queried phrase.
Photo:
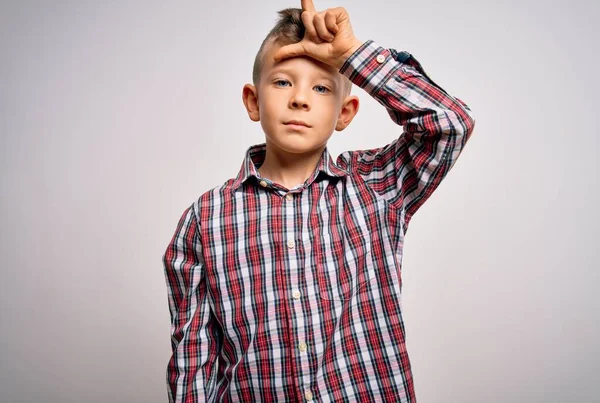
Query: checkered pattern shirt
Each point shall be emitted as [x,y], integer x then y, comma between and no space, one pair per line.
[280,294]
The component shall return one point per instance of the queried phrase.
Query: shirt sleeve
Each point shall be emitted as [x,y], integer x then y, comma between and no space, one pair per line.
[436,127]
[195,333]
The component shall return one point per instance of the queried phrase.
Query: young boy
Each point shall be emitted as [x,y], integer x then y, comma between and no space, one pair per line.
[284,282]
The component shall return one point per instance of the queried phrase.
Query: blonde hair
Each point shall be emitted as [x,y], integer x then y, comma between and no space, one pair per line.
[288,29]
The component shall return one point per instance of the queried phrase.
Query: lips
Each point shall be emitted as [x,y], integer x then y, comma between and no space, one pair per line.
[297,123]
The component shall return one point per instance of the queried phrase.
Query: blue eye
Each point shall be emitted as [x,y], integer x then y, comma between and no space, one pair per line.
[281,81]
[324,89]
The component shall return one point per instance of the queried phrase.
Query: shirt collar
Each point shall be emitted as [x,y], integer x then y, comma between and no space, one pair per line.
[255,156]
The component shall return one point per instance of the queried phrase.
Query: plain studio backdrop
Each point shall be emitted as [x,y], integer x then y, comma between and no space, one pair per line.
[115,116]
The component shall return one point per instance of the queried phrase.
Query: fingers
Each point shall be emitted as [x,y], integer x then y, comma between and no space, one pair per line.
[309,26]
[307,5]
[331,23]
[321,28]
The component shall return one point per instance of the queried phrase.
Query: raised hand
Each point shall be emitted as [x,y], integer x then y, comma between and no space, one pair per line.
[328,37]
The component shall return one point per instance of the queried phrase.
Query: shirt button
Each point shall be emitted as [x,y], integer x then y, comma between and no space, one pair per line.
[263,184]
[302,346]
[308,395]
[289,196]
[290,244]
[380,59]
[296,294]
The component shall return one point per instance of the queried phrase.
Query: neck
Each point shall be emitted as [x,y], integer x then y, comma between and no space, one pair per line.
[289,169]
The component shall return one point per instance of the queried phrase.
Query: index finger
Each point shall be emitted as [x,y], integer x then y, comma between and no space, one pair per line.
[307,5]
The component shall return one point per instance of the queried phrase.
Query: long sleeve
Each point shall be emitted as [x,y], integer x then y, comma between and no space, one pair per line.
[436,127]
[195,334]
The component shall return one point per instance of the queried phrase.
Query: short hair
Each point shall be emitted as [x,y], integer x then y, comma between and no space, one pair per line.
[288,29]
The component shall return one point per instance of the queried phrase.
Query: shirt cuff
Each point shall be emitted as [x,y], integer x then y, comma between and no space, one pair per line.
[371,65]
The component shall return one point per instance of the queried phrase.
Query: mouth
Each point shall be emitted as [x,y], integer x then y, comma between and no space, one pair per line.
[297,124]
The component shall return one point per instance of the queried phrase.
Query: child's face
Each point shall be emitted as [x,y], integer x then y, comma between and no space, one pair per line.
[301,89]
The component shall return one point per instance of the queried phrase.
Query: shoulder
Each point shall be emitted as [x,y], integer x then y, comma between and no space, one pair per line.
[213,201]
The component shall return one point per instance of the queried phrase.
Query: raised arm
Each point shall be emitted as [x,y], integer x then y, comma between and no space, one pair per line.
[195,334]
[436,127]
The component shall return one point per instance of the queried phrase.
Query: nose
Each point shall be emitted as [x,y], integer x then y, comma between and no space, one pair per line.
[299,100]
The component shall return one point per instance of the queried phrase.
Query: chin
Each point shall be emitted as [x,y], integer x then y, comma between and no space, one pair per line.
[296,144]
[297,148]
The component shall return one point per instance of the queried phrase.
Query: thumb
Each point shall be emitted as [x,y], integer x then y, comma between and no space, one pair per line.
[293,50]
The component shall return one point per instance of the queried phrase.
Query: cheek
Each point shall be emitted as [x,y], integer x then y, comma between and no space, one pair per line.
[270,107]
[329,112]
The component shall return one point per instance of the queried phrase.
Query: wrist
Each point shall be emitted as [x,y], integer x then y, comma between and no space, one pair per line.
[355,45]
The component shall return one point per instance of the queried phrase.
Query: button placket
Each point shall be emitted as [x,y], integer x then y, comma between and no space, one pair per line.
[293,241]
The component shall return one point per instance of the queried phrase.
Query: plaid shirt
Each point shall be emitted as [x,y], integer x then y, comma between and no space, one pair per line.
[294,295]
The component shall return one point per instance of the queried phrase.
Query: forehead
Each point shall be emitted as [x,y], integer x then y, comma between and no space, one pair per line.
[300,64]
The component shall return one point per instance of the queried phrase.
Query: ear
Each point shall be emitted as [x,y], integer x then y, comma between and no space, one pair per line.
[250,99]
[349,109]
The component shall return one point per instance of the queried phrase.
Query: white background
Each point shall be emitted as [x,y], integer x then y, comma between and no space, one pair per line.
[117,115]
